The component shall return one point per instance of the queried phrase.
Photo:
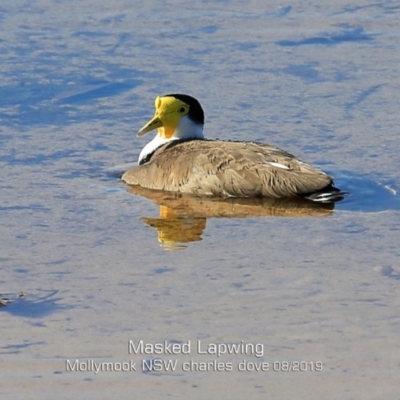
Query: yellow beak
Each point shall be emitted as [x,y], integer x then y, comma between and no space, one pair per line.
[154,123]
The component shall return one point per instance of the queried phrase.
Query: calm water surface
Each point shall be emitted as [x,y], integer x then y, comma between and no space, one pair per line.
[316,292]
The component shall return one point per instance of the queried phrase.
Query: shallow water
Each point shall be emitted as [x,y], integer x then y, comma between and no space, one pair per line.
[318,79]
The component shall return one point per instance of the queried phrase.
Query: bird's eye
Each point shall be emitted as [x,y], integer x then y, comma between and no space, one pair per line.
[182,110]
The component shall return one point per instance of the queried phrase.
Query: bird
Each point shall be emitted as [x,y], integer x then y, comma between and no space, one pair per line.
[180,159]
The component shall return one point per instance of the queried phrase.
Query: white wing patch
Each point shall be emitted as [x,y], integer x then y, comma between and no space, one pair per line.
[278,165]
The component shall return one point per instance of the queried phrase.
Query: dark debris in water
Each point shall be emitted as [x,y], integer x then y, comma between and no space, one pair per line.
[5,300]
[29,305]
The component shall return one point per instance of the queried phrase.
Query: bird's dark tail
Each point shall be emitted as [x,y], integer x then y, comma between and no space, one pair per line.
[329,194]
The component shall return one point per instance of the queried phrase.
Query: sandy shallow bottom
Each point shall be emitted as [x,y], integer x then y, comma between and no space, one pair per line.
[317,293]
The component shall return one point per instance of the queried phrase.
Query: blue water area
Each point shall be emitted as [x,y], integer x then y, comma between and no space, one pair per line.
[102,90]
[19,348]
[331,39]
[58,104]
[366,194]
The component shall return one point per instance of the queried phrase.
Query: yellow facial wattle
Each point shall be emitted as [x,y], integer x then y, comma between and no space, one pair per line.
[169,112]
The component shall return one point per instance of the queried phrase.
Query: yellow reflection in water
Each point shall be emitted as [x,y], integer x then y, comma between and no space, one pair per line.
[183,218]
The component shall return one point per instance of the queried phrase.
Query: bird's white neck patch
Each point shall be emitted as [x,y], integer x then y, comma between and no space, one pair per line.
[185,130]
[152,146]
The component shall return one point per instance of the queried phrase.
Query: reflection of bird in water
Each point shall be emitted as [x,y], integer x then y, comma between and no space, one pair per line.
[175,230]
[179,159]
[183,217]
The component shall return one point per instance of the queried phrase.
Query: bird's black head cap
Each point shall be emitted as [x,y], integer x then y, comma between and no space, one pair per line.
[196,112]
